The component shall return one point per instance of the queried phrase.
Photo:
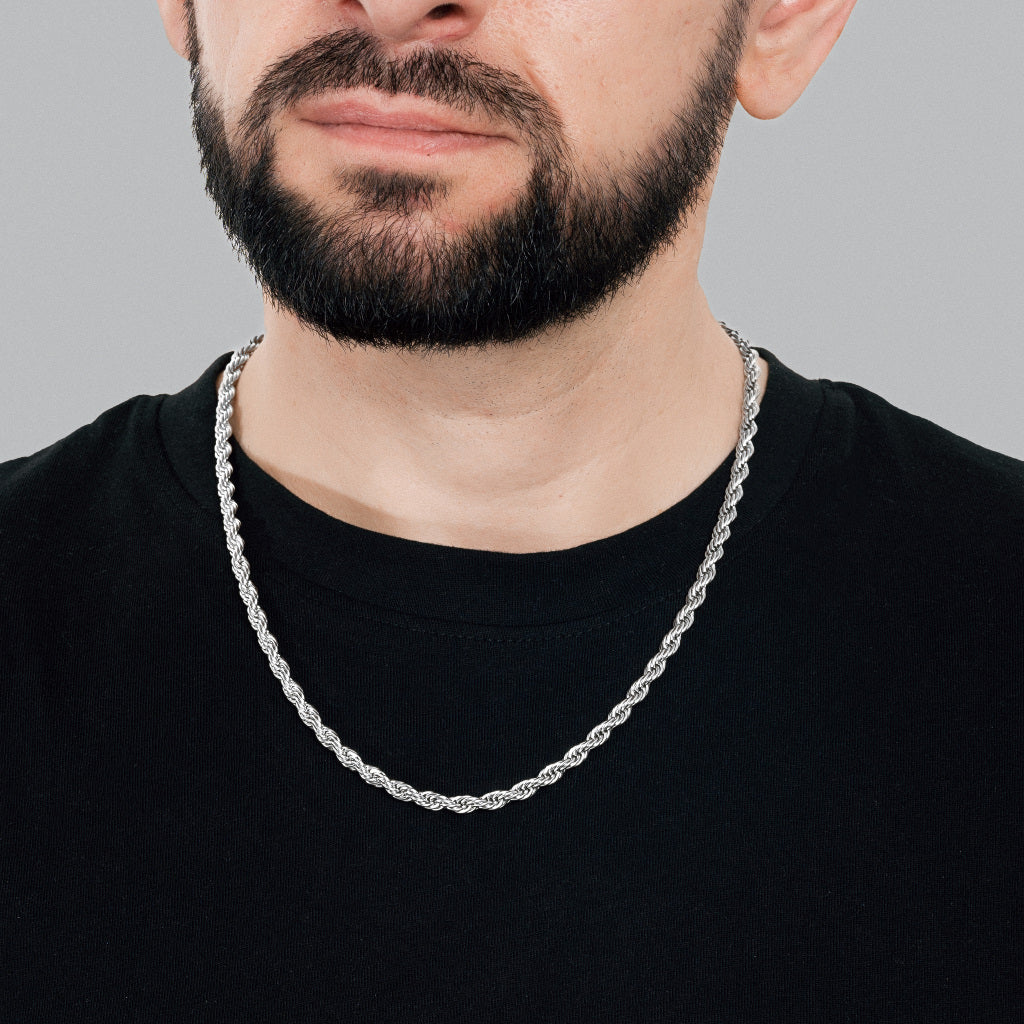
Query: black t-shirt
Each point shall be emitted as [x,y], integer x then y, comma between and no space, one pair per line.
[815,815]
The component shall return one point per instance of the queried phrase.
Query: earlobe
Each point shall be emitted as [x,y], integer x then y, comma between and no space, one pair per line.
[788,41]
[172,12]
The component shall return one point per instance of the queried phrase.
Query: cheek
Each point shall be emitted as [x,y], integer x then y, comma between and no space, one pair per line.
[241,40]
[614,71]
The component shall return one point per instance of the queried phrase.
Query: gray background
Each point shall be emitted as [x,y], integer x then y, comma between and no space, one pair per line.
[870,234]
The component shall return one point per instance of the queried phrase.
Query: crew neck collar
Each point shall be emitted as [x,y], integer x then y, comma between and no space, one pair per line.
[649,562]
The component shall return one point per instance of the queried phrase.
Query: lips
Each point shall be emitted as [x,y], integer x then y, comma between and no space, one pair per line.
[404,117]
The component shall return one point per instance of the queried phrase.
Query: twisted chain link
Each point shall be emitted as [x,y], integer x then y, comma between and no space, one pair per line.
[553,772]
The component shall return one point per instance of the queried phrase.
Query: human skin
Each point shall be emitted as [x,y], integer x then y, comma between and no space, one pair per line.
[581,431]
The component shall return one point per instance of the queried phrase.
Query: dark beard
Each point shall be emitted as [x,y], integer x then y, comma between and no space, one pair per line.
[566,244]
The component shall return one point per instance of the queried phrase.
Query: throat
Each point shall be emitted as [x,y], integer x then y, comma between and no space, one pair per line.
[576,467]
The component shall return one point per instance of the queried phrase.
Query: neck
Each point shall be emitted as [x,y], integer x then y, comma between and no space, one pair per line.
[570,437]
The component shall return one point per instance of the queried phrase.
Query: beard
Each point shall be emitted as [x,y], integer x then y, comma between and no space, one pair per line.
[567,241]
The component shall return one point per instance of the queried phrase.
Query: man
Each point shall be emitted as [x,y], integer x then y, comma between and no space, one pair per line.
[477,473]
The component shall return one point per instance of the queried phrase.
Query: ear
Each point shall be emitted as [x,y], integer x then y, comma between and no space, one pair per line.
[787,41]
[176,19]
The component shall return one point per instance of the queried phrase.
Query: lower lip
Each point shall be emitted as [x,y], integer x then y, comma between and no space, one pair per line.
[406,140]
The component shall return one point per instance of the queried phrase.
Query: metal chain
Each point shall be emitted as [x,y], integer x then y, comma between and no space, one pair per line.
[553,772]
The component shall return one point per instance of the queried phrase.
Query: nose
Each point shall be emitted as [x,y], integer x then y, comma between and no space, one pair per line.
[416,21]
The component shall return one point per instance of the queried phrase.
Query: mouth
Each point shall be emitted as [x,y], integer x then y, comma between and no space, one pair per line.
[406,125]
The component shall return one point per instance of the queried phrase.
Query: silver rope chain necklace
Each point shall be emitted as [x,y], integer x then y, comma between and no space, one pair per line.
[553,772]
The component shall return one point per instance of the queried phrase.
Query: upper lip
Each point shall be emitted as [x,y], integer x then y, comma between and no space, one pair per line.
[405,116]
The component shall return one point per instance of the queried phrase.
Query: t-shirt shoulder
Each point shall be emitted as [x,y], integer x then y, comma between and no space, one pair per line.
[937,482]
[103,475]
[919,444]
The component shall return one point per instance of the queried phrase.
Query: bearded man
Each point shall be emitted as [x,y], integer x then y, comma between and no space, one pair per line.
[498,635]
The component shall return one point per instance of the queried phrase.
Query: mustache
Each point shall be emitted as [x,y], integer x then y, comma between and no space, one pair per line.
[353,58]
